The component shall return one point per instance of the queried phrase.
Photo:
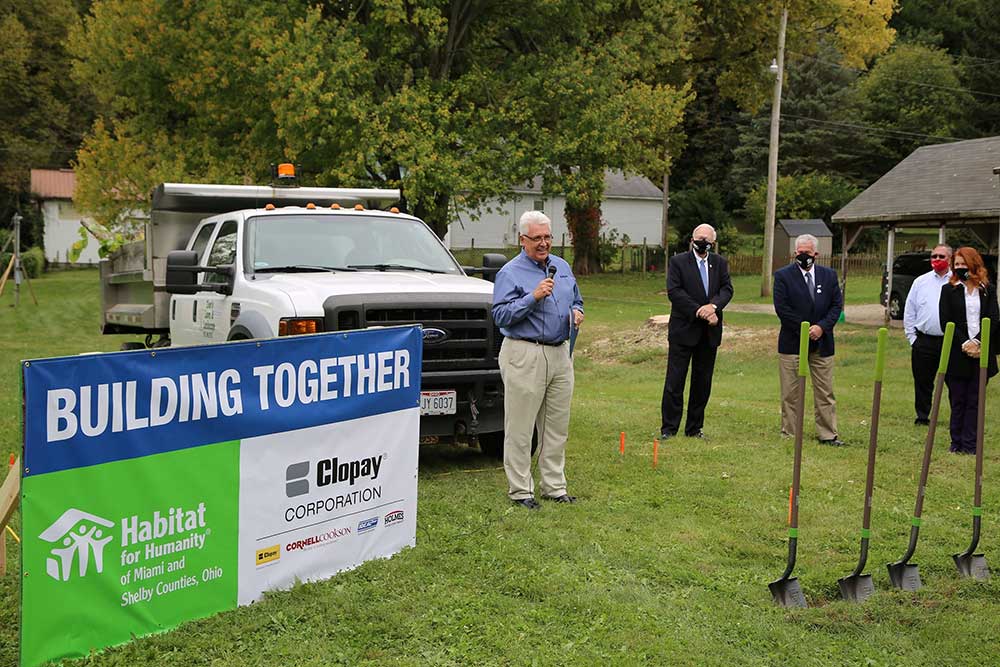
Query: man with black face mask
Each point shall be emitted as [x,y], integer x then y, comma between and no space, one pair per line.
[807,292]
[698,287]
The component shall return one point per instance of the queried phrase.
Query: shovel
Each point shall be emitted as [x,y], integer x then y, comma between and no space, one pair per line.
[971,564]
[903,574]
[857,587]
[786,590]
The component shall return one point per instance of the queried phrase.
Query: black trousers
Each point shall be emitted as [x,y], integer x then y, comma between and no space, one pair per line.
[924,356]
[701,359]
[963,394]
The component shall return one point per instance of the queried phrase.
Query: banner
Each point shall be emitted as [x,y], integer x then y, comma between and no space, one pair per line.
[165,485]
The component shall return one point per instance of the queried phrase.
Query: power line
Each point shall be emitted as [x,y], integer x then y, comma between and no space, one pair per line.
[912,83]
[871,128]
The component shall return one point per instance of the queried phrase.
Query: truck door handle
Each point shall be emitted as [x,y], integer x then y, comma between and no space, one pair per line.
[194,311]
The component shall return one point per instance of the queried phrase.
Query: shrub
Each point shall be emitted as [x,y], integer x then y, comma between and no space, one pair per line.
[32,261]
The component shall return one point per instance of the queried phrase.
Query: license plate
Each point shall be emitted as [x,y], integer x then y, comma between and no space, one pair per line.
[437,402]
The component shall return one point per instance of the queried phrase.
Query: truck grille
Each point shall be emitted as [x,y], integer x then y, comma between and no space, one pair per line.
[469,340]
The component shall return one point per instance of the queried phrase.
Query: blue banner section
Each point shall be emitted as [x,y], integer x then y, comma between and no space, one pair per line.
[90,409]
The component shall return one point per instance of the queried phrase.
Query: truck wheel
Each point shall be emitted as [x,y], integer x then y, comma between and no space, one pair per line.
[491,444]
[896,306]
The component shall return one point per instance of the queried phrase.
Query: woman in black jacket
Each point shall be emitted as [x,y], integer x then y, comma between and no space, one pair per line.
[965,300]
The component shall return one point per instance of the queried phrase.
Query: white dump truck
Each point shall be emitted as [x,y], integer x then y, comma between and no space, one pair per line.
[224,262]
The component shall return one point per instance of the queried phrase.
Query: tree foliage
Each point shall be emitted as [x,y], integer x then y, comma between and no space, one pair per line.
[697,206]
[914,94]
[804,196]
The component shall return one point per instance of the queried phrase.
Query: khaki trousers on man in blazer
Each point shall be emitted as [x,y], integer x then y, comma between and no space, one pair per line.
[821,370]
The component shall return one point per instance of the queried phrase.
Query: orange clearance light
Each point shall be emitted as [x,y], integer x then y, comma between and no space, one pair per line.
[310,205]
[286,170]
[294,326]
[393,210]
[335,207]
[359,207]
[269,207]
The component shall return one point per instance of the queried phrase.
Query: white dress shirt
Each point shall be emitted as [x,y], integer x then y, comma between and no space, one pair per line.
[921,310]
[972,311]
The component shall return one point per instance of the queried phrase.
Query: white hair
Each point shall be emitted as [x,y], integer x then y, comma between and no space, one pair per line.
[705,224]
[807,238]
[532,218]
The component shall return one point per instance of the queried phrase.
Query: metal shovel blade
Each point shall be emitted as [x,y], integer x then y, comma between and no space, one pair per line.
[972,565]
[787,593]
[905,576]
[856,587]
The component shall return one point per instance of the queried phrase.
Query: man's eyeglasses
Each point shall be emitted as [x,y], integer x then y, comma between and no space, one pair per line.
[939,256]
[539,239]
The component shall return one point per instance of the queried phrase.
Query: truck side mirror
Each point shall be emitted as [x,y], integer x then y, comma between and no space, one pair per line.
[182,272]
[492,262]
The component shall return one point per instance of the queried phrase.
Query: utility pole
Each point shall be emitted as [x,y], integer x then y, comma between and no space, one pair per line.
[664,219]
[778,67]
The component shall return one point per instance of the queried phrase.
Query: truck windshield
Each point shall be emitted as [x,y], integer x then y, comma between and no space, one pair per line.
[277,242]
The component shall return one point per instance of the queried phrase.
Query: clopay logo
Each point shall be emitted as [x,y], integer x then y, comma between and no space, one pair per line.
[82,538]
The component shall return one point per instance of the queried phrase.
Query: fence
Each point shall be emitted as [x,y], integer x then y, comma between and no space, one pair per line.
[857,265]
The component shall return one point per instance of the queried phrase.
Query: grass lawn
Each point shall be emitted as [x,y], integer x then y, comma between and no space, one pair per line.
[665,566]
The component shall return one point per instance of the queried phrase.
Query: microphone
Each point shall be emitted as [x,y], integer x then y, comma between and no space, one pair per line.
[551,276]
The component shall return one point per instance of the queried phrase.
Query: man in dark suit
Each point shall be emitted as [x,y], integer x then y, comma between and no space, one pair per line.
[698,287]
[807,292]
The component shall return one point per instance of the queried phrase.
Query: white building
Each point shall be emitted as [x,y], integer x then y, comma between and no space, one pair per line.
[53,190]
[632,205]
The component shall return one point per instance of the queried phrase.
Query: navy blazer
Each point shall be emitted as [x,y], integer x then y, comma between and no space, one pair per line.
[687,295]
[793,306]
[951,308]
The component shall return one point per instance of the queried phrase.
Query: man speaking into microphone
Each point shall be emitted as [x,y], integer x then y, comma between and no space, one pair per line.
[536,301]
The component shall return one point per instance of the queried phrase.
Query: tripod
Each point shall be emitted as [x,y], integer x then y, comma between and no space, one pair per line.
[15,264]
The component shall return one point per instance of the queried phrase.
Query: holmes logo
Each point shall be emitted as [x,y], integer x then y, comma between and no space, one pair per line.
[82,538]
[367,524]
[296,482]
[395,516]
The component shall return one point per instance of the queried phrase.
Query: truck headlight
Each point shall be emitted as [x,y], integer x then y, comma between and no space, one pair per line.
[295,326]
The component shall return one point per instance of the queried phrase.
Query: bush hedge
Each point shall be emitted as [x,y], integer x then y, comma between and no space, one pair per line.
[32,261]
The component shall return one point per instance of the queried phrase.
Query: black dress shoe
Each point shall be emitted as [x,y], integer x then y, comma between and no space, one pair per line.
[564,498]
[697,434]
[922,422]
[666,434]
[528,503]
[833,442]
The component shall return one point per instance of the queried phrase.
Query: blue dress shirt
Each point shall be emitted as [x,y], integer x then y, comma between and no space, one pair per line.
[517,313]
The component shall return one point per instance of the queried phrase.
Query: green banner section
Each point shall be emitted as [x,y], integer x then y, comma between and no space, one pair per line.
[151,542]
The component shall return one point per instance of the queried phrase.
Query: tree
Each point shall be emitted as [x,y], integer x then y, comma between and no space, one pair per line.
[804,196]
[697,206]
[42,113]
[358,93]
[914,95]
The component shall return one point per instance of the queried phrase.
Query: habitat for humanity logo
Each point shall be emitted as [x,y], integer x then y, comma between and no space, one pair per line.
[81,537]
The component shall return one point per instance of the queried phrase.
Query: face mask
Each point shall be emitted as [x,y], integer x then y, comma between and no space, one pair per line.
[702,246]
[939,265]
[962,274]
[805,260]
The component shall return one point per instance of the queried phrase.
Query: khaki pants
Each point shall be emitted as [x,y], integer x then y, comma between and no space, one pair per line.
[538,388]
[821,370]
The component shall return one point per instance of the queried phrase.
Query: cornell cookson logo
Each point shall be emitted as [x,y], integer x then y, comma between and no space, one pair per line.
[81,537]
